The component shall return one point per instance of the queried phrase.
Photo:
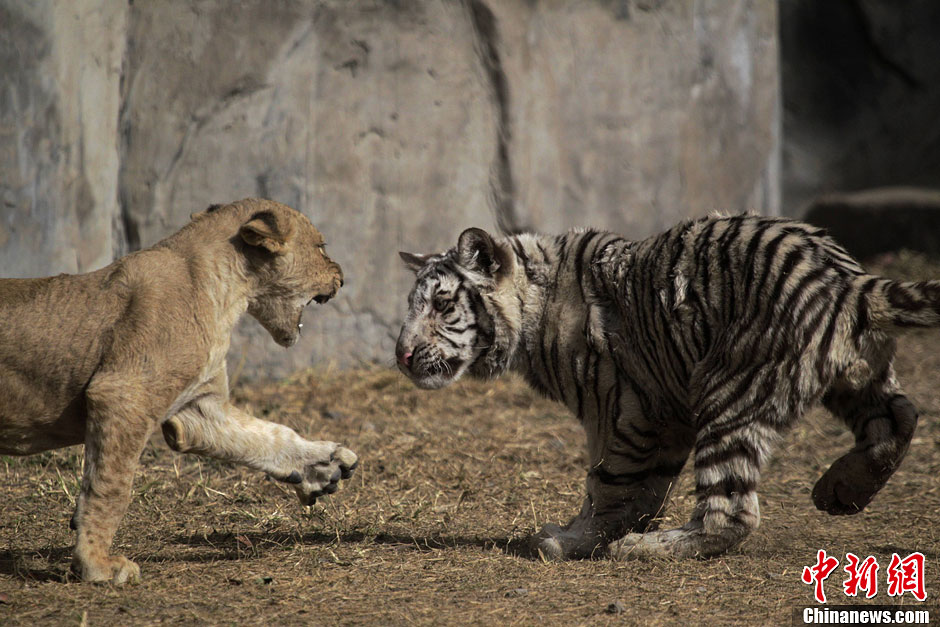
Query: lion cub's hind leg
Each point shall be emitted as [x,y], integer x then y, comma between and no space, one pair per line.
[119,424]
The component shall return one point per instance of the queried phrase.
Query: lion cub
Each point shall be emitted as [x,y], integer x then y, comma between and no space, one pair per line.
[107,357]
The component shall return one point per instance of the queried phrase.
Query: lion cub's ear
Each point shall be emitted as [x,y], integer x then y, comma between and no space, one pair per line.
[199,214]
[267,230]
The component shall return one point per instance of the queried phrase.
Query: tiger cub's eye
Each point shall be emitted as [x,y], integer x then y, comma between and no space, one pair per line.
[440,305]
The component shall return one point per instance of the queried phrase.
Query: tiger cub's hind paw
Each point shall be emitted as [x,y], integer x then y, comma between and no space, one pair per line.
[849,485]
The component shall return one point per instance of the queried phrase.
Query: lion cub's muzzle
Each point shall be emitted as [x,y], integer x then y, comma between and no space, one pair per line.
[338,282]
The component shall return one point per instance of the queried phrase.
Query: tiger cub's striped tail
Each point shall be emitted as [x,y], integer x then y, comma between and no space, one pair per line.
[901,303]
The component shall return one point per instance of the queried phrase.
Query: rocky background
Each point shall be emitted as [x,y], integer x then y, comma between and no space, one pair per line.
[392,124]
[861,93]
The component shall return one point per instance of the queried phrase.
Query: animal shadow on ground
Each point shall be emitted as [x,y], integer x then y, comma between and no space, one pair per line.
[52,564]
[38,565]
[232,546]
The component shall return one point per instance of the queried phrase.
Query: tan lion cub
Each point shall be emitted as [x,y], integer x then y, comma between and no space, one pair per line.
[107,357]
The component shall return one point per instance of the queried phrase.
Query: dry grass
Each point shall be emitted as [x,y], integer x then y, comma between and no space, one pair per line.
[433,527]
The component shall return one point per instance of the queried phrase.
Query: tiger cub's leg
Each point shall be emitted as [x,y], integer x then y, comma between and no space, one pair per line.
[883,421]
[614,505]
[632,470]
[729,450]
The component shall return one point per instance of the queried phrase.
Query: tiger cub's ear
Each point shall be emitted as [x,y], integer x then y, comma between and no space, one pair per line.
[412,261]
[477,251]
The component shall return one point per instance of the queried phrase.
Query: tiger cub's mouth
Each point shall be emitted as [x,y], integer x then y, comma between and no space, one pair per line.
[432,375]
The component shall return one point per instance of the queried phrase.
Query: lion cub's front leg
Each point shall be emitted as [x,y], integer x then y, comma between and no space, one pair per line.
[221,430]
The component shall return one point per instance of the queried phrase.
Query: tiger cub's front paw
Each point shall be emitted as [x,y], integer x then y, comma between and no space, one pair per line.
[323,476]
[576,541]
[547,543]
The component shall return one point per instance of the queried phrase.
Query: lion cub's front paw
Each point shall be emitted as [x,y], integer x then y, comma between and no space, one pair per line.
[323,476]
[114,569]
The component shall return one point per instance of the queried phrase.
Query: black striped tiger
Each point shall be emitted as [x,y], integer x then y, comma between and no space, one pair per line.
[711,338]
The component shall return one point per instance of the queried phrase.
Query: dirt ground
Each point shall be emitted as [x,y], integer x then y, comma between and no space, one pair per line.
[433,527]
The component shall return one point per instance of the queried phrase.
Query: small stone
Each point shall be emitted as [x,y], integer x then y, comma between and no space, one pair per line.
[329,414]
[517,592]
[617,607]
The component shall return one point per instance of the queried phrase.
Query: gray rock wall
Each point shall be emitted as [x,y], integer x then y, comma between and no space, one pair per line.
[59,103]
[392,125]
[633,115]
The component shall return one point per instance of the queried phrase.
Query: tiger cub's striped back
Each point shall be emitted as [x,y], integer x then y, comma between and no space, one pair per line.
[713,336]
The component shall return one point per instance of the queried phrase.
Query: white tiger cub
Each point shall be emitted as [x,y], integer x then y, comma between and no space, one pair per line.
[712,337]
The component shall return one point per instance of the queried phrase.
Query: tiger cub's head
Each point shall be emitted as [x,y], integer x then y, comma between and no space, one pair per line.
[460,316]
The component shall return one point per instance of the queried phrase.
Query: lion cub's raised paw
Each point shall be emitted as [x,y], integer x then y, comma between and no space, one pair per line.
[323,476]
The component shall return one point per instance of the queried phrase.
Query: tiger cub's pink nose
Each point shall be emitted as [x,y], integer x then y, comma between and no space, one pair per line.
[405,359]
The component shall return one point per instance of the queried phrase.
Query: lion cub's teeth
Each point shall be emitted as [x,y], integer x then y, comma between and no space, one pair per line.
[300,326]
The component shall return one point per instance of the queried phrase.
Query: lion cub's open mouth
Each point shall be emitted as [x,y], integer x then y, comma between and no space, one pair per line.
[318,299]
